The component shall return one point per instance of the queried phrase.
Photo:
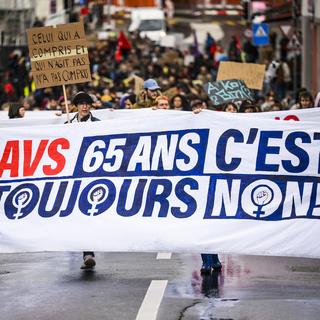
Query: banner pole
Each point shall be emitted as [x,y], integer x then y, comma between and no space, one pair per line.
[66,102]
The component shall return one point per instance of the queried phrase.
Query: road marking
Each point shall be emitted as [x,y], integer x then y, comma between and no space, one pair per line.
[164,255]
[151,302]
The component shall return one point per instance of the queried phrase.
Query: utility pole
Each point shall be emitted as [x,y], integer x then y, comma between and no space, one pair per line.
[295,29]
[306,68]
[246,5]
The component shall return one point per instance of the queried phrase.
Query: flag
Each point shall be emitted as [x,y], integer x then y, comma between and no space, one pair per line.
[123,42]
[196,51]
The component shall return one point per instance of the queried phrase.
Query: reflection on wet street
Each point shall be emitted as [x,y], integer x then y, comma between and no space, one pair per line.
[210,285]
[250,287]
[247,288]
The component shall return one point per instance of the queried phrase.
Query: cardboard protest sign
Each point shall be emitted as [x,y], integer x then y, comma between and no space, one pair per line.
[169,57]
[138,84]
[227,91]
[59,55]
[251,73]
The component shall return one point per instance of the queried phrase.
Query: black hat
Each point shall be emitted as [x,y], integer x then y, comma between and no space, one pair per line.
[82,97]
[195,102]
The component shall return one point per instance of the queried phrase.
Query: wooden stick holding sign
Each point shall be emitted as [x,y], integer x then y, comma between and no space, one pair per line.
[66,102]
[65,97]
[59,56]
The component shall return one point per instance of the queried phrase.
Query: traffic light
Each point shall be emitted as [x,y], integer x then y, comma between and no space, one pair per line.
[246,10]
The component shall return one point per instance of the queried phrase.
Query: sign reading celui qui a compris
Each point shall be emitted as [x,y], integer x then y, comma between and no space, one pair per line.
[59,55]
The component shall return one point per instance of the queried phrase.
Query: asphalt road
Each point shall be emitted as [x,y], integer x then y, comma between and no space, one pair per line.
[145,286]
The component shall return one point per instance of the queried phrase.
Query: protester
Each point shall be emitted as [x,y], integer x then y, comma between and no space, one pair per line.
[305,101]
[247,106]
[162,102]
[16,110]
[127,101]
[196,106]
[142,57]
[234,51]
[147,96]
[211,261]
[269,101]
[277,106]
[230,107]
[83,102]
[179,102]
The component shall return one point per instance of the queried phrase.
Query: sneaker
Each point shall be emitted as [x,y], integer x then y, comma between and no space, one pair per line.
[88,262]
[205,269]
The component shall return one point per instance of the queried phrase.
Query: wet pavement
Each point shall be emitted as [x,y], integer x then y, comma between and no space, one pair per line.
[50,286]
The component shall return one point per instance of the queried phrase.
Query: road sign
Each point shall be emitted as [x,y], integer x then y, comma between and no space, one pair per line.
[248,33]
[286,30]
[260,34]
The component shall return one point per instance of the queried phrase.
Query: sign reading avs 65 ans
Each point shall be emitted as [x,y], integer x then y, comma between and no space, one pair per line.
[59,55]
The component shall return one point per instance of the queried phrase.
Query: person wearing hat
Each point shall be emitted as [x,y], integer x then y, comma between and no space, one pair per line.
[148,95]
[16,110]
[127,101]
[83,102]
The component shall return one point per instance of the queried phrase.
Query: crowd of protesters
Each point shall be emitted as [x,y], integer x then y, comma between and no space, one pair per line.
[181,75]
[169,79]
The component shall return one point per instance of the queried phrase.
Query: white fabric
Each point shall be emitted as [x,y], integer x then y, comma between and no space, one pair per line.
[211,182]
[34,118]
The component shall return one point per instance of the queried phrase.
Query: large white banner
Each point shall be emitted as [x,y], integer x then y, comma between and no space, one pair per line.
[172,181]
[33,118]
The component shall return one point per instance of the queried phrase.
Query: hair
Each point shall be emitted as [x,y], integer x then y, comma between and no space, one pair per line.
[277,104]
[299,91]
[246,104]
[13,111]
[185,105]
[162,98]
[229,103]
[306,95]
[195,102]
[131,97]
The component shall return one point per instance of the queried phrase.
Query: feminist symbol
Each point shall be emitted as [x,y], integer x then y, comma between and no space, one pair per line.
[20,201]
[261,196]
[95,197]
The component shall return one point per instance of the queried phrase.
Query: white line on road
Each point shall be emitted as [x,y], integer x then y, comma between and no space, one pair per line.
[164,255]
[151,302]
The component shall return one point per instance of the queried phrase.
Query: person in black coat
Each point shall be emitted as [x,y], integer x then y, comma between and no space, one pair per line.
[83,102]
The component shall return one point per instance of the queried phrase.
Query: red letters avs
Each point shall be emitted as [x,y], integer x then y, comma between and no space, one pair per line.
[18,155]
